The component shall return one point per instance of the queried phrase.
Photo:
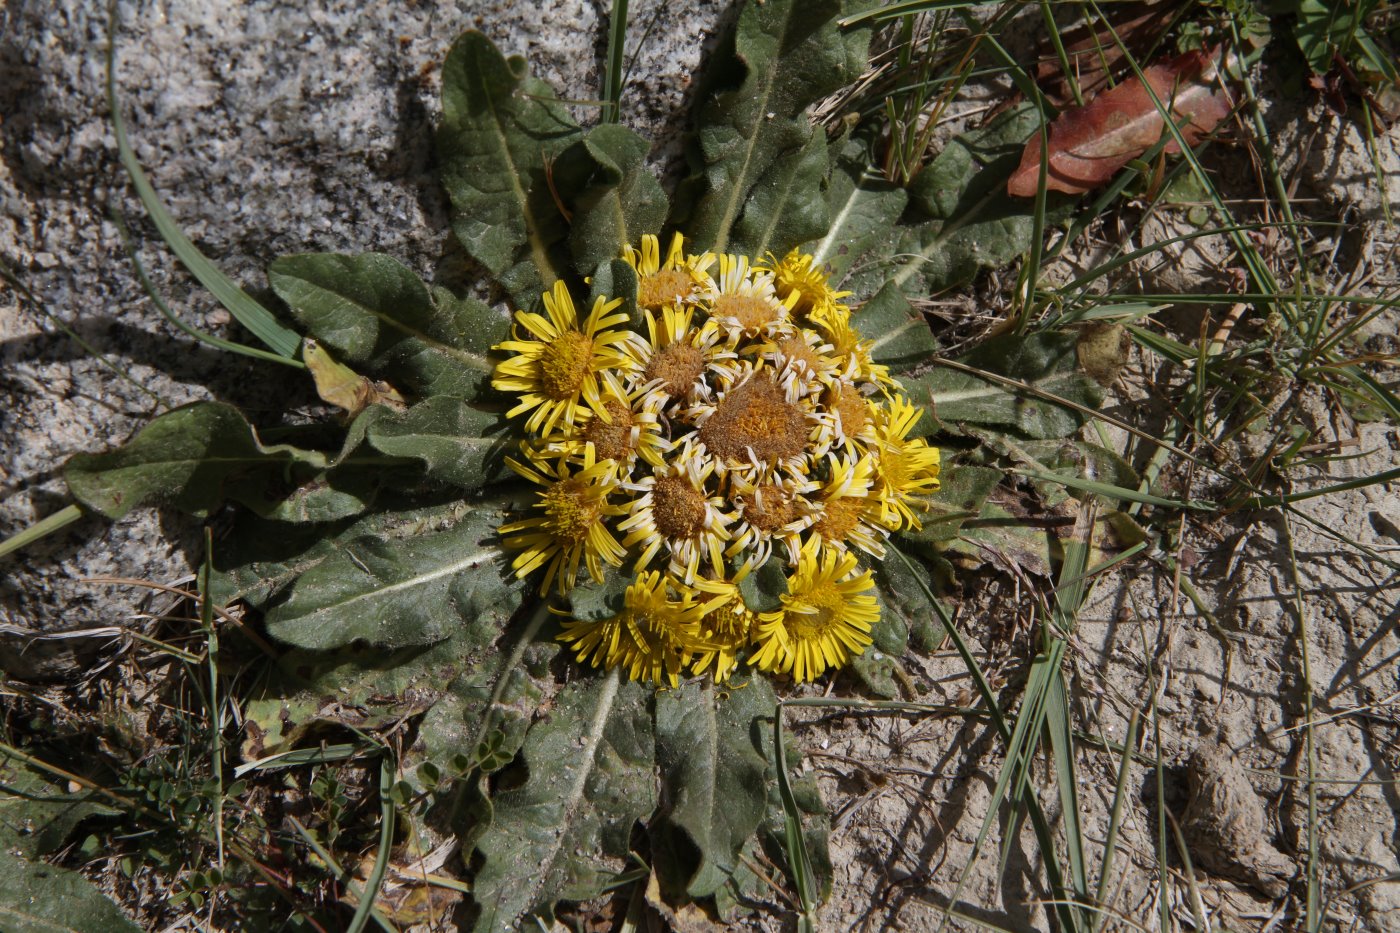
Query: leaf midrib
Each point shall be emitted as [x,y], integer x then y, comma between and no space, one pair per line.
[588,761]
[540,253]
[740,190]
[417,580]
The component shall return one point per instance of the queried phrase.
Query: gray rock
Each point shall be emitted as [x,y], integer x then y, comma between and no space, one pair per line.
[267,128]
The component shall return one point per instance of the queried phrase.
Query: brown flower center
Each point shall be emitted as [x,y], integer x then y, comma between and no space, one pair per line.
[768,509]
[663,288]
[796,350]
[852,410]
[839,517]
[678,366]
[564,363]
[611,441]
[752,312]
[678,507]
[756,417]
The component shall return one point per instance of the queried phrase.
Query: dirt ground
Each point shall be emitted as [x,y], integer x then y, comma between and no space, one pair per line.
[907,794]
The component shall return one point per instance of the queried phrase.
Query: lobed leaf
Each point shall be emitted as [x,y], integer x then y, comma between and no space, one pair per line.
[457,442]
[588,777]
[862,207]
[716,780]
[500,131]
[372,311]
[193,458]
[396,592]
[613,197]
[1044,362]
[782,56]
[1088,145]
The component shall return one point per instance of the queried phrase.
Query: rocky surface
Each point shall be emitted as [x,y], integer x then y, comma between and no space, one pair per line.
[267,128]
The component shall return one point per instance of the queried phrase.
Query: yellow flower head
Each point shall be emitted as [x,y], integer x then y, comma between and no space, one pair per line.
[724,630]
[675,510]
[570,527]
[908,470]
[653,638]
[678,281]
[826,618]
[745,425]
[802,284]
[745,304]
[559,368]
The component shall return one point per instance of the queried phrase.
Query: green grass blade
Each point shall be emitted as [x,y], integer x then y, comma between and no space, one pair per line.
[375,881]
[614,72]
[799,861]
[170,315]
[40,529]
[252,315]
[1109,491]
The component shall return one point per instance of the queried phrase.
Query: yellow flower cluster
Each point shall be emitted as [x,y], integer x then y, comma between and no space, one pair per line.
[748,424]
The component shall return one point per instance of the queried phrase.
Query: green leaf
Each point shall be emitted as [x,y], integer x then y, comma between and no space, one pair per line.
[788,205]
[874,667]
[37,817]
[763,589]
[500,127]
[903,598]
[259,558]
[964,489]
[391,593]
[899,336]
[40,898]
[457,442]
[1068,456]
[1045,362]
[782,56]
[372,311]
[617,279]
[594,602]
[588,777]
[191,458]
[357,687]
[613,196]
[487,710]
[715,776]
[863,207]
[961,220]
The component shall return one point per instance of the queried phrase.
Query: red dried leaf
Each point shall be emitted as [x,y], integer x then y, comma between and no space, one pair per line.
[1089,144]
[1094,51]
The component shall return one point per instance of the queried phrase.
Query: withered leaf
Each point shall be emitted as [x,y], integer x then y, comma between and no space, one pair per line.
[1089,144]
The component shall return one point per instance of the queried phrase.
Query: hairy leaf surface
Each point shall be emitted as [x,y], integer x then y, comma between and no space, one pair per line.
[373,312]
[1046,362]
[500,128]
[192,458]
[782,56]
[395,592]
[588,777]
[40,898]
[614,197]
[716,778]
